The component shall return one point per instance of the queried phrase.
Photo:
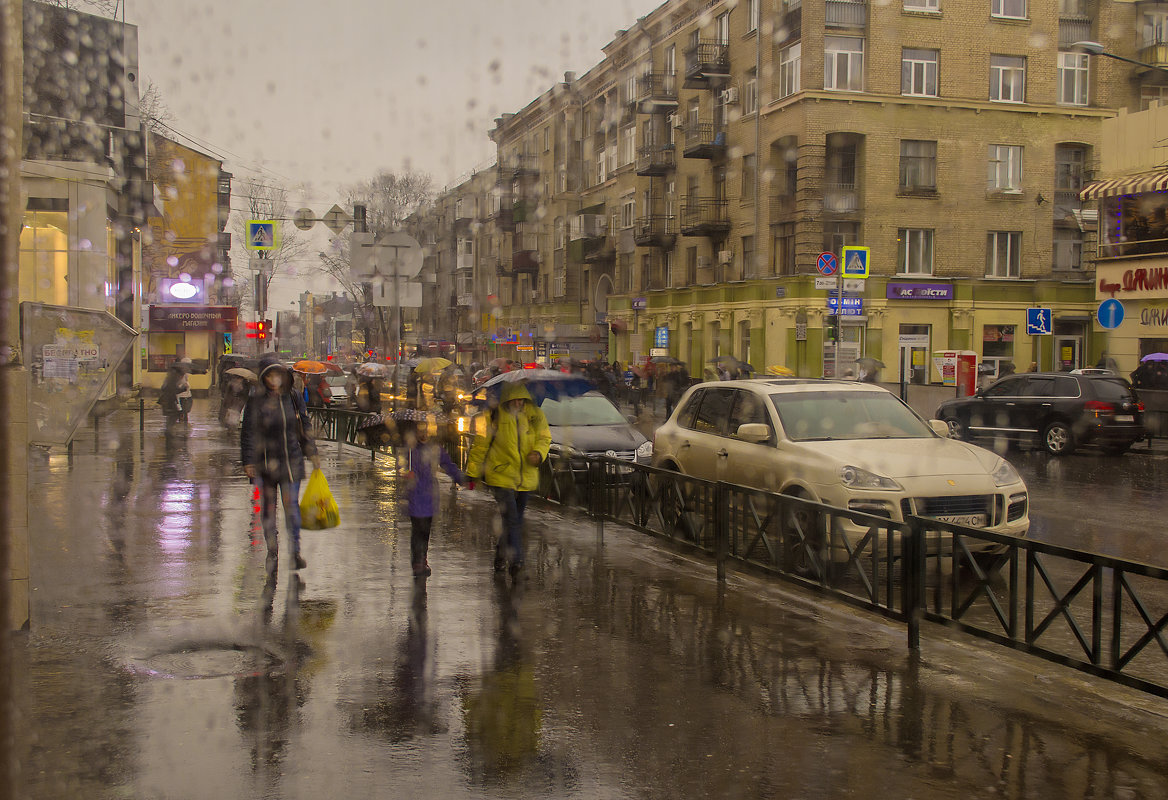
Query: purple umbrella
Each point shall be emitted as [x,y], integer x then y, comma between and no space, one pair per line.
[540,382]
[1154,357]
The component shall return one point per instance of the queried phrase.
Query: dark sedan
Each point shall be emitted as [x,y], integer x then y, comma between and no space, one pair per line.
[1056,410]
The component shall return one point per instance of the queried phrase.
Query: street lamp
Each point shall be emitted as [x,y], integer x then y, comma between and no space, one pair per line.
[1096,49]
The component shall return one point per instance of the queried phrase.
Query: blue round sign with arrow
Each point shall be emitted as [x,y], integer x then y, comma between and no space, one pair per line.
[1110,314]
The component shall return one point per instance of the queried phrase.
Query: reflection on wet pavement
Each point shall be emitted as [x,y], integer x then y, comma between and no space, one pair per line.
[168,659]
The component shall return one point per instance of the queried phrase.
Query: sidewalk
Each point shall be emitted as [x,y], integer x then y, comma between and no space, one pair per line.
[164,662]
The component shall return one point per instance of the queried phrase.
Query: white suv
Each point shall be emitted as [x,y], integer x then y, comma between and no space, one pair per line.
[848,445]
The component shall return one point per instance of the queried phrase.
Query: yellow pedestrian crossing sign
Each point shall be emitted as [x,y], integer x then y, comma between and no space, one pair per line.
[855,262]
[261,234]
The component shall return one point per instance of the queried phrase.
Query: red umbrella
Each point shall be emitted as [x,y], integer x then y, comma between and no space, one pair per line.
[532,365]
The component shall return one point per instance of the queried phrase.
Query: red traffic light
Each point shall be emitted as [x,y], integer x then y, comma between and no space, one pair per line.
[260,329]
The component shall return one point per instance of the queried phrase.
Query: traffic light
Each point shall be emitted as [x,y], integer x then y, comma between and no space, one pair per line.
[253,330]
[831,329]
[260,329]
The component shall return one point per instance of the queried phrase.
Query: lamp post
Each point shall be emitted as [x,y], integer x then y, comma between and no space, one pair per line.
[1096,49]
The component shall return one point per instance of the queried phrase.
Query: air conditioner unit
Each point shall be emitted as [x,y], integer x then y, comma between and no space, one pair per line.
[729,95]
[725,256]
[703,262]
[674,121]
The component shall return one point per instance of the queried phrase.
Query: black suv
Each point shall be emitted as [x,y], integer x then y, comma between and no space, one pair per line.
[1055,409]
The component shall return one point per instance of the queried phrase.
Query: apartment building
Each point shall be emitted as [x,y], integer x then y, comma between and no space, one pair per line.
[677,197]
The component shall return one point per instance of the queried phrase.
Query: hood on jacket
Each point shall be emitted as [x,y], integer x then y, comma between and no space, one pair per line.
[270,361]
[515,391]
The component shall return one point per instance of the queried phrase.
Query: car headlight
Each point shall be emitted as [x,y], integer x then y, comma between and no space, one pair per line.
[857,478]
[1005,474]
[564,451]
[645,450]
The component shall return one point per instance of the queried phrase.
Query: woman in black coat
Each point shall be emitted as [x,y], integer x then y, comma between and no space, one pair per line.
[274,441]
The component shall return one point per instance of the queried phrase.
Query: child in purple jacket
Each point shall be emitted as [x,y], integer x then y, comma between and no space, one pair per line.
[421,462]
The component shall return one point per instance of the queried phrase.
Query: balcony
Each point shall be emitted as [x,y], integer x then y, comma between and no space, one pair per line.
[791,27]
[1155,54]
[707,66]
[704,140]
[846,13]
[464,261]
[1073,29]
[523,165]
[657,92]
[504,217]
[656,230]
[597,250]
[841,198]
[523,211]
[656,159]
[464,300]
[705,216]
[525,256]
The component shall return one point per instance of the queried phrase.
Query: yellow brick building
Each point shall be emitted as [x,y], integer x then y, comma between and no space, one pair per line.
[680,193]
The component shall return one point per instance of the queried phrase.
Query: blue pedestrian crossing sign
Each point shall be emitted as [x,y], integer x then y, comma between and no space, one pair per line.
[855,262]
[261,234]
[1110,314]
[1039,321]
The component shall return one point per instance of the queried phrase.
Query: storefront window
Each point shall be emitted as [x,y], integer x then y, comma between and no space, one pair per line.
[997,347]
[44,257]
[163,349]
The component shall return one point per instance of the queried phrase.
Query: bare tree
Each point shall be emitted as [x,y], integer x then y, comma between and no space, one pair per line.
[390,197]
[152,108]
[108,8]
[263,201]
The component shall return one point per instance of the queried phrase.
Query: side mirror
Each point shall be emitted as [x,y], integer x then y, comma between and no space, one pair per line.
[755,432]
[940,427]
[631,419]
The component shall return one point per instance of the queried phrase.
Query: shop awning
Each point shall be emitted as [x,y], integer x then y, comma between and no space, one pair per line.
[1131,184]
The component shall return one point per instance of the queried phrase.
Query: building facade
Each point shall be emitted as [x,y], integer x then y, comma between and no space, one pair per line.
[677,197]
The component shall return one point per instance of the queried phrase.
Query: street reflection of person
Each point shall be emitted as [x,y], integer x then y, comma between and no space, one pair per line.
[503,717]
[421,461]
[506,454]
[274,441]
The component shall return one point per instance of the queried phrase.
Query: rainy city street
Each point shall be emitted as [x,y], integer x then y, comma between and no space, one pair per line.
[163,660]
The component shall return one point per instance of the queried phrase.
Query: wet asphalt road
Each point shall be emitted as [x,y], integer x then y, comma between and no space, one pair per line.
[165,661]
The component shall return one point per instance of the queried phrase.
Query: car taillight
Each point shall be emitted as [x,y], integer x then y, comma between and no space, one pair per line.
[1098,407]
[1140,407]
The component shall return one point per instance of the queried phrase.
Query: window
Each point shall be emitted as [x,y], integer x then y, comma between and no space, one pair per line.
[749,268]
[628,210]
[1155,28]
[1068,168]
[1003,254]
[1072,79]
[1008,79]
[750,93]
[1005,168]
[691,266]
[1012,9]
[918,165]
[559,233]
[628,145]
[1153,94]
[789,63]
[44,258]
[748,178]
[843,63]
[1068,249]
[918,72]
[547,138]
[915,251]
[722,28]
[838,234]
[670,64]
[752,7]
[601,174]
[922,5]
[784,257]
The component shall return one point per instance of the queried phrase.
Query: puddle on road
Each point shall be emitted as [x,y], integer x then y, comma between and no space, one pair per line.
[208,660]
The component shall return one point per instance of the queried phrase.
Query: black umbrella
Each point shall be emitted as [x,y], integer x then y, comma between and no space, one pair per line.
[666,360]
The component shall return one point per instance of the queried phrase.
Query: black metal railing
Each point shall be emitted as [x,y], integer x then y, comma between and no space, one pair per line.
[1102,615]
[657,89]
[655,230]
[655,159]
[704,140]
[701,216]
[706,59]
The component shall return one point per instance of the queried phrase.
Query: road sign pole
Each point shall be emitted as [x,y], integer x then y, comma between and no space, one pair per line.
[839,316]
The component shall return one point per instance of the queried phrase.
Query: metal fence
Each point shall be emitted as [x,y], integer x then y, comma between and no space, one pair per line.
[1105,616]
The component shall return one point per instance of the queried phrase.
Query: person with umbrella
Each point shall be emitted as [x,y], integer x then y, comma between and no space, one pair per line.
[175,393]
[274,442]
[506,455]
[235,386]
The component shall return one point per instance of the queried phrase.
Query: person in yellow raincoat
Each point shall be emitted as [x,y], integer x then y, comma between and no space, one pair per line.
[506,455]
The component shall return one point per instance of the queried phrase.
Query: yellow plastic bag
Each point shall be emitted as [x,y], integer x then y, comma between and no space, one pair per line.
[318,509]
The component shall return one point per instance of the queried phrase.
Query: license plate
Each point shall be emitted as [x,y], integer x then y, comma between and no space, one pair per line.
[969,520]
[1124,418]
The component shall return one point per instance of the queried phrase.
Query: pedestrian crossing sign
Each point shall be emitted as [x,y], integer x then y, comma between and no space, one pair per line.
[855,262]
[261,234]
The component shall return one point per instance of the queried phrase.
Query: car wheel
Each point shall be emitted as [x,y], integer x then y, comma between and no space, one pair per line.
[1058,439]
[956,429]
[804,541]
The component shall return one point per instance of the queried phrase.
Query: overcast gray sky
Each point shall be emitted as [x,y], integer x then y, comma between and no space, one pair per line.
[327,93]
